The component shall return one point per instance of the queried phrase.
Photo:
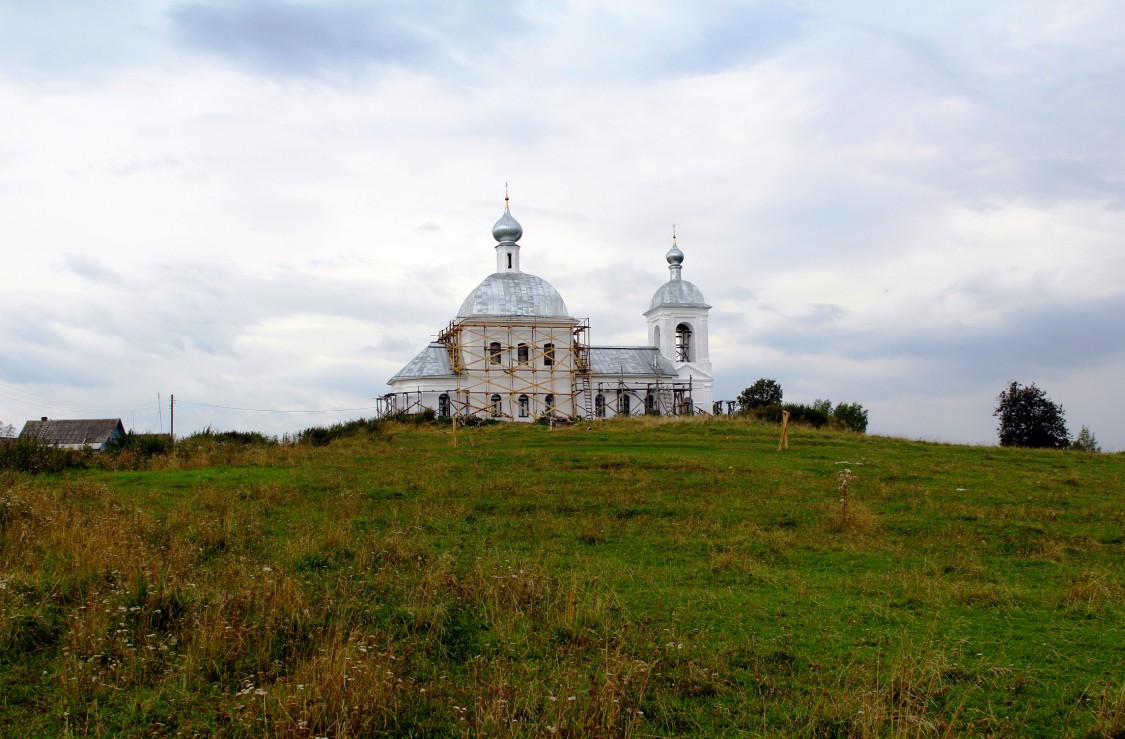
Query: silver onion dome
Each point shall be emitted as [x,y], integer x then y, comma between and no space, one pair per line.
[507,230]
[677,290]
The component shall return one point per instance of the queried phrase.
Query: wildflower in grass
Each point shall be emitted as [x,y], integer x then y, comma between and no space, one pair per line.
[845,476]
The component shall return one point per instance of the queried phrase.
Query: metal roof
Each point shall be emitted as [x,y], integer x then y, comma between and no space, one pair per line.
[678,292]
[433,361]
[630,360]
[73,431]
[514,294]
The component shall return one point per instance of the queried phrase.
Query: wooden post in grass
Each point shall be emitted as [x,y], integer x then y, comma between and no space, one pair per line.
[454,430]
[784,431]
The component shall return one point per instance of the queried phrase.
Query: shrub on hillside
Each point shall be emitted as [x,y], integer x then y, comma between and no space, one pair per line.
[244,438]
[851,416]
[475,421]
[142,445]
[325,435]
[799,413]
[824,406]
[426,415]
[1085,441]
[28,455]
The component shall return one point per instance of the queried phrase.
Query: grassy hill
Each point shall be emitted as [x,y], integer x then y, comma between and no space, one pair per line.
[641,577]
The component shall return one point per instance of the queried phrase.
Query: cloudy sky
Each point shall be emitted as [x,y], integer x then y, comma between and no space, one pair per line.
[275,205]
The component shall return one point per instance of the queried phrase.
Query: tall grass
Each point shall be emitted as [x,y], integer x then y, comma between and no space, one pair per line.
[640,577]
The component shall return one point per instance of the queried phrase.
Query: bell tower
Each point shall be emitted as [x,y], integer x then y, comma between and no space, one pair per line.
[677,326]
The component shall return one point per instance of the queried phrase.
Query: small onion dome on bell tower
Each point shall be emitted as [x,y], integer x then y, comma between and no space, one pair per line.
[677,290]
[507,232]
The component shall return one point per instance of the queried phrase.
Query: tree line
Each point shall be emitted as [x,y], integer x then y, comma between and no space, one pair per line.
[764,399]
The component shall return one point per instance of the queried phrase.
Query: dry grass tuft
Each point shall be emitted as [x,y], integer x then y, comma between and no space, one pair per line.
[1091,592]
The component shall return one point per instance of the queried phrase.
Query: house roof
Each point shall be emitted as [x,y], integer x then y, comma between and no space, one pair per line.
[73,431]
[630,360]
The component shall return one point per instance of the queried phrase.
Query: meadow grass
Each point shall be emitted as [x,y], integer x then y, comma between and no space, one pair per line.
[628,578]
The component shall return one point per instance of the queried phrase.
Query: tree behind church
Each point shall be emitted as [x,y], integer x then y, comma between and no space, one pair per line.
[762,393]
[1028,418]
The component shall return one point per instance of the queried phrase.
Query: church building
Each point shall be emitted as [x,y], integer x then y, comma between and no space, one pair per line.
[515,353]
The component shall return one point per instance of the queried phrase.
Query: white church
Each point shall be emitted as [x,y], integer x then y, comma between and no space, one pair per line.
[515,353]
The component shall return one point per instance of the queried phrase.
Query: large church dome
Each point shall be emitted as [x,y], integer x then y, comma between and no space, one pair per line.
[514,294]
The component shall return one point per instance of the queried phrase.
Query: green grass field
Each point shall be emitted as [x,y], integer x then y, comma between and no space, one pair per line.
[643,577]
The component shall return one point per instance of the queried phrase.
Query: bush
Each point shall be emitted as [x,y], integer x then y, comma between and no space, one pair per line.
[28,455]
[1028,418]
[142,445]
[762,393]
[798,413]
[325,435]
[806,414]
[1085,441]
[242,438]
[824,406]
[851,416]
[479,421]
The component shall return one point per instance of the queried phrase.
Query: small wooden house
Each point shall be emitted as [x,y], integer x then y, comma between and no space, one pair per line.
[76,433]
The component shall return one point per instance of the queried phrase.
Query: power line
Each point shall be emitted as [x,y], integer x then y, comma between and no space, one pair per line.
[279,410]
[23,396]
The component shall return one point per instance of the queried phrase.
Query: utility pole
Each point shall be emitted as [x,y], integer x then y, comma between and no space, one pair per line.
[172,416]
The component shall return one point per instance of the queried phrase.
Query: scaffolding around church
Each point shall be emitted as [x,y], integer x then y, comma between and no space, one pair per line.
[525,368]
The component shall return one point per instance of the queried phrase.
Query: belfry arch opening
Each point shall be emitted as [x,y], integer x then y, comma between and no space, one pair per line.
[684,348]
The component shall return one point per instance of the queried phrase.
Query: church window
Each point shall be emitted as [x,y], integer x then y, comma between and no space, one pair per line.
[509,261]
[683,343]
[549,401]
[689,407]
[494,354]
[656,336]
[443,405]
[524,406]
[494,409]
[650,404]
[624,404]
[599,406]
[548,355]
[521,353]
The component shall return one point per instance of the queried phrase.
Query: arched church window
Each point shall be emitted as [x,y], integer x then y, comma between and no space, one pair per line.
[549,401]
[689,408]
[494,353]
[650,403]
[656,336]
[495,406]
[548,355]
[683,343]
[599,406]
[443,405]
[521,353]
[624,404]
[525,406]
[509,261]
